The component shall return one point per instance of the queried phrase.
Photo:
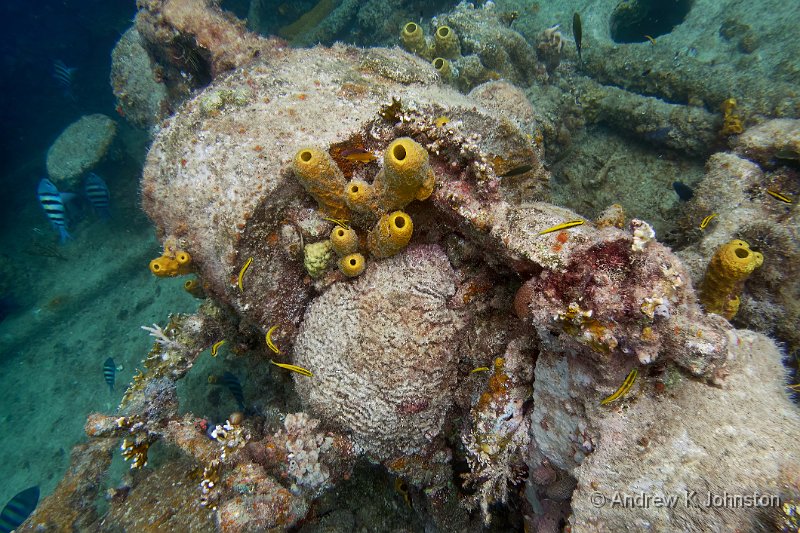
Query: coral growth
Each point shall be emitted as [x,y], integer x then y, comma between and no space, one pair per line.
[79,148]
[496,438]
[731,121]
[316,257]
[352,356]
[472,45]
[136,81]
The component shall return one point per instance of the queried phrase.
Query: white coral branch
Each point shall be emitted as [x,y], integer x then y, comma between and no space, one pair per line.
[161,338]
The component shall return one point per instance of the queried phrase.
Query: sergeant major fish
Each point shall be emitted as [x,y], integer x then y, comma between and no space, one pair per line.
[109,371]
[18,509]
[233,384]
[96,192]
[52,202]
[64,77]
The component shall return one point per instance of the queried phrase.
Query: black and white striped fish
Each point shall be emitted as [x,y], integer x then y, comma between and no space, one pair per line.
[53,204]
[96,192]
[18,509]
[233,384]
[64,78]
[109,371]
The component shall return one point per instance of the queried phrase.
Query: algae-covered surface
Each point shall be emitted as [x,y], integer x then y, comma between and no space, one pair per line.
[545,201]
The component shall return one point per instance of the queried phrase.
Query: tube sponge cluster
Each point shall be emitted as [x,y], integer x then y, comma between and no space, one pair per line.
[171,264]
[440,50]
[406,176]
[727,271]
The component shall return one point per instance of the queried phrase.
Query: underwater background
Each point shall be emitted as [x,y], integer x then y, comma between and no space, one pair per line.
[67,306]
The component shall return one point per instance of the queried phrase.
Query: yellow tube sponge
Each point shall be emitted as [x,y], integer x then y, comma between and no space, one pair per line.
[390,235]
[352,265]
[446,43]
[443,67]
[727,271]
[195,288]
[360,197]
[168,267]
[322,179]
[344,241]
[406,175]
[413,39]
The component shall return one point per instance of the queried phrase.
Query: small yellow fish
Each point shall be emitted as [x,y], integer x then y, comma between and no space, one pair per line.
[795,387]
[359,154]
[271,344]
[294,368]
[565,225]
[479,369]
[441,121]
[783,198]
[241,273]
[707,220]
[624,388]
[215,348]
[342,222]
[652,41]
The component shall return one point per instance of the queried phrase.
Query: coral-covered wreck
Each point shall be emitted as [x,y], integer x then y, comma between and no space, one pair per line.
[392,239]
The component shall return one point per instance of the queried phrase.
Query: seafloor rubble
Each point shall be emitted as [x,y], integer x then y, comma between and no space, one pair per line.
[508,362]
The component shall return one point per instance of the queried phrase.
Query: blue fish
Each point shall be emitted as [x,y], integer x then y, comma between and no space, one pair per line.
[96,192]
[53,204]
[18,509]
[233,384]
[683,191]
[64,78]
[109,371]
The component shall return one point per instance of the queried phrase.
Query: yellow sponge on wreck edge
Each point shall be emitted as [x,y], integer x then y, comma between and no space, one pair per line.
[414,40]
[352,265]
[167,267]
[406,175]
[344,240]
[727,271]
[391,234]
[322,179]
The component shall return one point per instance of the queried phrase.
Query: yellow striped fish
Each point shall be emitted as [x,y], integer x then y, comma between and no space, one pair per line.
[624,388]
[479,369]
[215,347]
[565,225]
[338,221]
[294,368]
[271,344]
[782,197]
[241,273]
[707,220]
